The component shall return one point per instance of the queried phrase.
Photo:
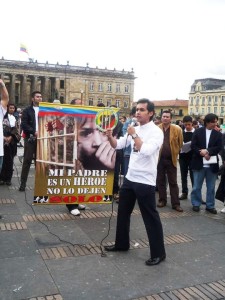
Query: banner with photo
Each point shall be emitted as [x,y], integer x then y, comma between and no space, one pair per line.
[75,162]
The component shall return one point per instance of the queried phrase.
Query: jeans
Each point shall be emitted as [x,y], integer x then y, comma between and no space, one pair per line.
[196,194]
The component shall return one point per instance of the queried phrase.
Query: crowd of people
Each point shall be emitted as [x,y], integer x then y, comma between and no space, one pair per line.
[145,150]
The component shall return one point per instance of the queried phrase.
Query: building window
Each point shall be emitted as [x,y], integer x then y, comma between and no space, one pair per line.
[216,100]
[117,88]
[109,87]
[91,86]
[197,100]
[100,87]
[117,103]
[222,110]
[203,111]
[209,110]
[191,101]
[126,89]
[62,84]
[108,102]
[191,111]
[215,110]
[125,104]
[223,100]
[100,100]
[203,100]
[209,100]
[61,99]
[91,102]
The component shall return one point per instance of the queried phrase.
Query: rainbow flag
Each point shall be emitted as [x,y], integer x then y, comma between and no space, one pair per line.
[23,48]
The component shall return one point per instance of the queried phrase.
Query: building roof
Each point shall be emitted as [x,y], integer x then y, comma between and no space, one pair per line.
[171,103]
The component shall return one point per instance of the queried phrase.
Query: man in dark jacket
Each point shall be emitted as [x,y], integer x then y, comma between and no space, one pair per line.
[206,144]
[29,125]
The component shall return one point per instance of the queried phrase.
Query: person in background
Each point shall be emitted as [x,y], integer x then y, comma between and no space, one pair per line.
[127,150]
[3,108]
[139,183]
[117,133]
[195,124]
[123,119]
[222,181]
[206,142]
[157,120]
[185,156]
[172,143]
[29,125]
[11,138]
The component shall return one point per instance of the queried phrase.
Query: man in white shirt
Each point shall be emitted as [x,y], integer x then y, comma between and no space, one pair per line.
[140,181]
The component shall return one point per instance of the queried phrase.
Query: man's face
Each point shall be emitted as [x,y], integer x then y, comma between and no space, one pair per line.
[37,99]
[89,139]
[142,114]
[211,125]
[166,118]
[188,126]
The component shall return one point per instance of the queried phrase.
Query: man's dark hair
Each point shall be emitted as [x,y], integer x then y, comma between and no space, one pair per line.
[150,105]
[210,118]
[167,111]
[187,119]
[34,93]
[133,111]
[100,104]
[73,101]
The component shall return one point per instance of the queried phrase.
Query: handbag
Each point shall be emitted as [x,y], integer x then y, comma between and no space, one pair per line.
[16,135]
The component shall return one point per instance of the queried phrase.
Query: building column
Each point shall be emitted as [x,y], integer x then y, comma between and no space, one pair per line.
[12,88]
[23,90]
[33,83]
[45,88]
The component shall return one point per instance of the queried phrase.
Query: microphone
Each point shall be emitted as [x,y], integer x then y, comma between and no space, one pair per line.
[133,122]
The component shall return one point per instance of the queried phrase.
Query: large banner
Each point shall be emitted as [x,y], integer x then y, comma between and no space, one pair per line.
[75,162]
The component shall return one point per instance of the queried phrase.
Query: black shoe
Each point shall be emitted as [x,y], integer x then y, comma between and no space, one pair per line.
[183,196]
[113,248]
[155,261]
[2,182]
[203,202]
[196,208]
[22,188]
[8,182]
[211,210]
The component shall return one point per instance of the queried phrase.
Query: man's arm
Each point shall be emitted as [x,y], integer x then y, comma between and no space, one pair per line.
[112,140]
[4,95]
[180,137]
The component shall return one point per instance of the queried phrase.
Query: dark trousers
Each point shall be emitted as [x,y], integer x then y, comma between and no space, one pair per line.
[145,195]
[7,166]
[166,167]
[29,154]
[185,163]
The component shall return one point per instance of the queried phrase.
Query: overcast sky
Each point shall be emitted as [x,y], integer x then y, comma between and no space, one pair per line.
[168,43]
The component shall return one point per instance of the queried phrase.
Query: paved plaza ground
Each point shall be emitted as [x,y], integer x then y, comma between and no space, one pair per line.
[46,253]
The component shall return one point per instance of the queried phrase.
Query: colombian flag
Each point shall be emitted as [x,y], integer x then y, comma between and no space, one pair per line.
[23,48]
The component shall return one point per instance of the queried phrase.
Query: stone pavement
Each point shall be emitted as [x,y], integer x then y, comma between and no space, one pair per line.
[45,253]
